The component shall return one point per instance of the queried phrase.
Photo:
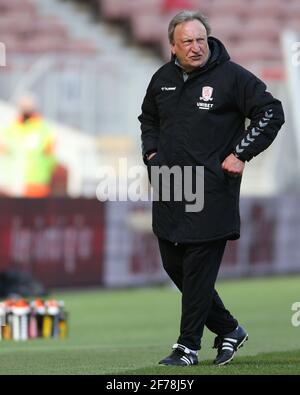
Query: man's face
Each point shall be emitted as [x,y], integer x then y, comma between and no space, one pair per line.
[190,44]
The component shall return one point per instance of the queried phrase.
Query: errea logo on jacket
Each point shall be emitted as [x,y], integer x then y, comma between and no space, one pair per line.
[206,97]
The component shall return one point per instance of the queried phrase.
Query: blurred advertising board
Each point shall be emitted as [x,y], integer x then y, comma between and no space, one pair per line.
[269,242]
[58,240]
[83,242]
[270,238]
[131,251]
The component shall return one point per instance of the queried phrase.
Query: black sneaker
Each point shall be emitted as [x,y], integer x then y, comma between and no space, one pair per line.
[180,356]
[227,345]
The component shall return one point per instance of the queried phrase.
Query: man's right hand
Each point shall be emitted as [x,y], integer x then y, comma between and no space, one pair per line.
[233,166]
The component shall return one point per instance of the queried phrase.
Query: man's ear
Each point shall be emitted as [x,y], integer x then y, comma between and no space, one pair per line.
[173,49]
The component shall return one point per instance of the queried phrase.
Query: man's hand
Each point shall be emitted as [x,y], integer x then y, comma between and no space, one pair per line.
[233,166]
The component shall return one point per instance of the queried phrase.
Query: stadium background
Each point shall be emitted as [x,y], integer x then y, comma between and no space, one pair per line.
[88,63]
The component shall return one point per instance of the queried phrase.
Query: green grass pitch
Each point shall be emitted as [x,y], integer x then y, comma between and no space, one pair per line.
[129,331]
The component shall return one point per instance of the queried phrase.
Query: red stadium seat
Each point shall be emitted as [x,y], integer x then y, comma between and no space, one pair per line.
[292,23]
[240,24]
[145,7]
[82,47]
[226,28]
[23,30]
[235,8]
[267,9]
[176,5]
[292,9]
[255,51]
[9,6]
[250,28]
[148,28]
[261,28]
[113,9]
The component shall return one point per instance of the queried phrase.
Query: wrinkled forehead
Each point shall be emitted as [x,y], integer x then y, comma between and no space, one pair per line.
[190,29]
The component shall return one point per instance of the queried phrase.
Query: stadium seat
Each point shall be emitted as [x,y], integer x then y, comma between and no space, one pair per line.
[292,10]
[261,28]
[82,47]
[267,9]
[229,7]
[226,28]
[293,24]
[239,24]
[170,6]
[233,21]
[24,30]
[142,7]
[148,28]
[44,44]
[250,51]
[112,9]
[16,6]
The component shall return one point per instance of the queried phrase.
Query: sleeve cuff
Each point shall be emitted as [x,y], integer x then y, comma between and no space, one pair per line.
[239,156]
[146,155]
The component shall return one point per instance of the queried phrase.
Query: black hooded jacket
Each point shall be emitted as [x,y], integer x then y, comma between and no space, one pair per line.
[199,122]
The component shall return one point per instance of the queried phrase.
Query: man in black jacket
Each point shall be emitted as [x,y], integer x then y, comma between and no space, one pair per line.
[193,115]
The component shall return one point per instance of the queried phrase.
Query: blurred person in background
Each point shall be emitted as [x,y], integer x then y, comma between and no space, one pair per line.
[194,114]
[29,142]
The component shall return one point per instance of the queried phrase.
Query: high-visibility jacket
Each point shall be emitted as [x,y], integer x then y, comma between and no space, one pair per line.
[31,143]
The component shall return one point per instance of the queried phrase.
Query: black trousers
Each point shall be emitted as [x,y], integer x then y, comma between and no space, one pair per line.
[194,269]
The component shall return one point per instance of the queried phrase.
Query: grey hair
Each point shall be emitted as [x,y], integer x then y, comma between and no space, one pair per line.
[185,16]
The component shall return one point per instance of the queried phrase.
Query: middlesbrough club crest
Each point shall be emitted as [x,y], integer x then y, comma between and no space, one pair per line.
[207,92]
